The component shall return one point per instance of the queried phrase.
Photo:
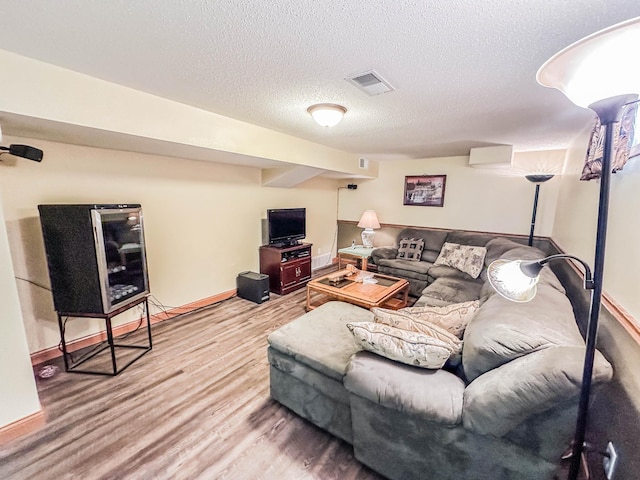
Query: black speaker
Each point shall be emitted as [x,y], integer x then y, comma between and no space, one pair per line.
[253,286]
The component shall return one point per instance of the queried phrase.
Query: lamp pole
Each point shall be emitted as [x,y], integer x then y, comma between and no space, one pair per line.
[609,111]
[537,179]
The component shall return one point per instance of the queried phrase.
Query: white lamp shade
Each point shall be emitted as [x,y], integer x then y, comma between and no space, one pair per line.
[327,114]
[369,219]
[506,277]
[600,66]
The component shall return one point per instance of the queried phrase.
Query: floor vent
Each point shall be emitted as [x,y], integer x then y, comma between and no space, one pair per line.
[371,83]
[320,261]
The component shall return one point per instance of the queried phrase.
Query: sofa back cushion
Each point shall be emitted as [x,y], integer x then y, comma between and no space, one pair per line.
[468,238]
[502,330]
[502,399]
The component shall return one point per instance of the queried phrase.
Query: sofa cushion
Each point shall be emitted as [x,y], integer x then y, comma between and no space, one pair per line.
[501,399]
[320,338]
[502,330]
[435,395]
[408,347]
[445,291]
[466,258]
[497,247]
[453,318]
[440,271]
[417,270]
[410,249]
[404,320]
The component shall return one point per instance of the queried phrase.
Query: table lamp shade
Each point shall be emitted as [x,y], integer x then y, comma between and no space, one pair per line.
[368,221]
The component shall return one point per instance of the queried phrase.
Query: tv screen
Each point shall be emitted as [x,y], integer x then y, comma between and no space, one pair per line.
[286,225]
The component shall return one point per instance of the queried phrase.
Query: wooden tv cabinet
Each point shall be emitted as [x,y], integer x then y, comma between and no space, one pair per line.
[289,268]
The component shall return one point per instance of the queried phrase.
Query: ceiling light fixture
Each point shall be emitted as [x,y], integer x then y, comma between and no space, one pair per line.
[327,114]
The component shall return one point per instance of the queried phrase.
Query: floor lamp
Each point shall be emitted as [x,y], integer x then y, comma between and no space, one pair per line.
[599,73]
[537,179]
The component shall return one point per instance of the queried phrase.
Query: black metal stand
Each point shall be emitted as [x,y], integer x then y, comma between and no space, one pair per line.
[111,345]
[609,111]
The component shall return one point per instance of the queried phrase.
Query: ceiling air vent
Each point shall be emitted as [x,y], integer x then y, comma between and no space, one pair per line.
[371,82]
[363,162]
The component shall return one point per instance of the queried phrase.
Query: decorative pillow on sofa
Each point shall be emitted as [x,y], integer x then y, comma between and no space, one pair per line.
[454,318]
[412,348]
[406,321]
[410,249]
[466,258]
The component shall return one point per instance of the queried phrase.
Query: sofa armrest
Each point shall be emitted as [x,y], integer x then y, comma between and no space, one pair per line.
[384,253]
[501,399]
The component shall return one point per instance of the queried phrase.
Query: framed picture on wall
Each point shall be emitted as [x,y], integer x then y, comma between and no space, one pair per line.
[424,190]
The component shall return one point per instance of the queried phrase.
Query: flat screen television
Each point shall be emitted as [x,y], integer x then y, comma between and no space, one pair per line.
[286,226]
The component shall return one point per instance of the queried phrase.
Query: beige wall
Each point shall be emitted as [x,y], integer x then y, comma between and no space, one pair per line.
[19,395]
[576,218]
[475,199]
[202,220]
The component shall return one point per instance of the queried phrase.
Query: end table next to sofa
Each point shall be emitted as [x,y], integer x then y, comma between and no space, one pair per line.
[357,252]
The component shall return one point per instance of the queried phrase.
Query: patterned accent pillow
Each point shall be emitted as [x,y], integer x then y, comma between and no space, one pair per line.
[410,249]
[466,258]
[412,348]
[406,321]
[454,318]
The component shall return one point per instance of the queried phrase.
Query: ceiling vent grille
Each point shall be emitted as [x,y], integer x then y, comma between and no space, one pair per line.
[371,83]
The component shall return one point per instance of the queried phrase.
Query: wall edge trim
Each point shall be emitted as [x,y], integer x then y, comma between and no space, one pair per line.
[21,427]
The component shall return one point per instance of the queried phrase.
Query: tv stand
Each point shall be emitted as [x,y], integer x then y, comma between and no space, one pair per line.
[288,267]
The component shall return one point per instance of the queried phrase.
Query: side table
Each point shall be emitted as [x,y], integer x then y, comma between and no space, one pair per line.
[111,345]
[357,252]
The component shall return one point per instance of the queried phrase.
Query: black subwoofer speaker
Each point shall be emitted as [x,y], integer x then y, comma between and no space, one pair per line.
[253,286]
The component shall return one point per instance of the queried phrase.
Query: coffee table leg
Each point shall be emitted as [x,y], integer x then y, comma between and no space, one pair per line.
[405,296]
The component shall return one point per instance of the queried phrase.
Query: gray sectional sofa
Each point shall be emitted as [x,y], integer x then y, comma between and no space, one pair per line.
[507,412]
[457,286]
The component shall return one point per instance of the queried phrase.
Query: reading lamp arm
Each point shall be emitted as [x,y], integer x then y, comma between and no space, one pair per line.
[532,268]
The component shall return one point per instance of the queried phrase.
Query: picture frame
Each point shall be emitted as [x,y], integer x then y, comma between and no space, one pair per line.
[424,190]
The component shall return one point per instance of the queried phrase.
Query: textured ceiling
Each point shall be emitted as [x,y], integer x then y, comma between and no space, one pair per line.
[464,71]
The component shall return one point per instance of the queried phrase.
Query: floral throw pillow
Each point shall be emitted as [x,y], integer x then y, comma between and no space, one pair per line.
[466,258]
[406,321]
[410,249]
[454,318]
[411,348]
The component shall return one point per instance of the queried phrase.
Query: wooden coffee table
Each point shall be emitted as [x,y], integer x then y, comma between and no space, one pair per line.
[388,292]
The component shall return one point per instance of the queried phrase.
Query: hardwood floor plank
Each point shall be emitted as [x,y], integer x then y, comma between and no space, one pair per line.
[195,407]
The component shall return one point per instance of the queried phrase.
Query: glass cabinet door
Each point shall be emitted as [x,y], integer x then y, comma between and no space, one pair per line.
[122,261]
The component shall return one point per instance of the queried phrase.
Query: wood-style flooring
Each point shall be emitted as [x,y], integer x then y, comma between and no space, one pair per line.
[196,407]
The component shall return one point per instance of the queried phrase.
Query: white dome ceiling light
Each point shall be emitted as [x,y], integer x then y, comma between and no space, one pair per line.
[327,114]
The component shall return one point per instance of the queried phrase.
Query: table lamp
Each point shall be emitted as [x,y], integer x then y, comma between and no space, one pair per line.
[368,221]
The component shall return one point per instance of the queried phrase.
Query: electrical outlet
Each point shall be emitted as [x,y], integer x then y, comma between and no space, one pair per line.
[610,461]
